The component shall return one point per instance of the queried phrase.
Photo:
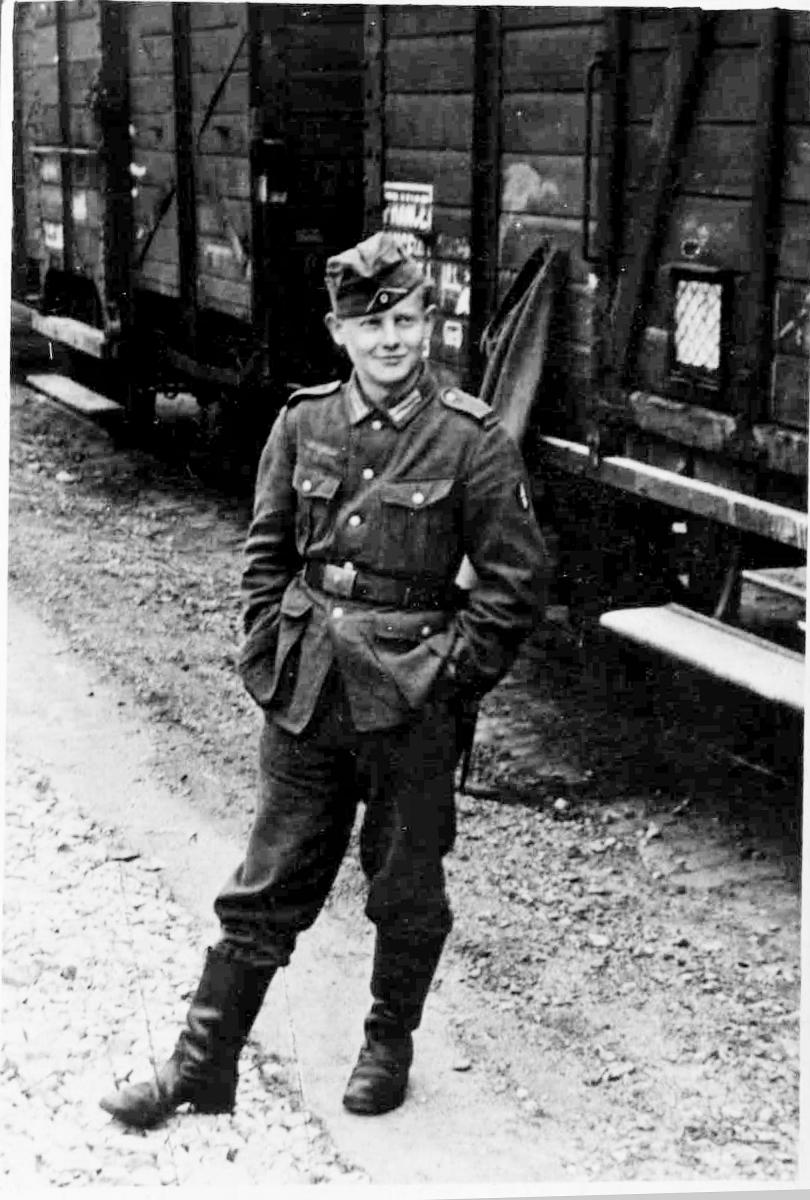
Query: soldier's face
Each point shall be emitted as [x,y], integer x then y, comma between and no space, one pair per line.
[385,348]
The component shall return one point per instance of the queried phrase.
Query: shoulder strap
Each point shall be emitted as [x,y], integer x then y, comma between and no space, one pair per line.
[463,402]
[318,392]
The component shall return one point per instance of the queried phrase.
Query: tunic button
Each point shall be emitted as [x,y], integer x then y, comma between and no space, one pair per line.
[368,473]
[355,519]
[306,486]
[418,497]
[425,631]
[376,424]
[337,611]
[451,395]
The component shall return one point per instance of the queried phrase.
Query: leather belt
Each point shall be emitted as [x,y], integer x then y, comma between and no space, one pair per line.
[350,584]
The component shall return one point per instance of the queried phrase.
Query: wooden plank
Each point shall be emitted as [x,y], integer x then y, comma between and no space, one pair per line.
[797,105]
[796,183]
[71,333]
[543,184]
[534,16]
[448,171]
[83,41]
[418,122]
[653,30]
[430,64]
[151,96]
[734,655]
[406,21]
[703,228]
[786,581]
[229,177]
[234,99]
[213,49]
[225,296]
[152,18]
[715,432]
[536,124]
[73,395]
[151,55]
[331,46]
[158,277]
[791,390]
[326,93]
[549,59]
[227,133]
[718,160]
[216,16]
[794,248]
[741,511]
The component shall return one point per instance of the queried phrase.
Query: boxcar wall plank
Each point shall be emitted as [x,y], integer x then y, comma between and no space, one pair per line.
[448,170]
[549,60]
[163,248]
[152,18]
[532,123]
[791,326]
[152,132]
[703,228]
[229,177]
[791,386]
[83,39]
[224,295]
[533,16]
[213,49]
[159,168]
[520,234]
[149,95]
[403,21]
[421,122]
[151,55]
[217,16]
[796,184]
[794,245]
[329,47]
[158,277]
[226,133]
[543,185]
[44,47]
[429,64]
[653,30]
[798,83]
[232,102]
[313,93]
[728,94]
[717,159]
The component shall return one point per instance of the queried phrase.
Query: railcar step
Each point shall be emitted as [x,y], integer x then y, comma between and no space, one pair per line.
[74,395]
[735,655]
[788,581]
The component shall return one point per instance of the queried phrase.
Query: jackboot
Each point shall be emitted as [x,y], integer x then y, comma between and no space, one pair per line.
[403,969]
[380,1078]
[203,1069]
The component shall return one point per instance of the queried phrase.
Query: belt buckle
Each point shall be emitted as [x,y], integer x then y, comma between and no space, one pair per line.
[339,581]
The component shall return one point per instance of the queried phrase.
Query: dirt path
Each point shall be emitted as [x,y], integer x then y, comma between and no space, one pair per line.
[623,974]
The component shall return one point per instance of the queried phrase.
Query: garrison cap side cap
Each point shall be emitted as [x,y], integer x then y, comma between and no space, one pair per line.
[371,277]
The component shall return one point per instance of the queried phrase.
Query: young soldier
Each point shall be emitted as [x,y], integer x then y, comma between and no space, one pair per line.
[361,654]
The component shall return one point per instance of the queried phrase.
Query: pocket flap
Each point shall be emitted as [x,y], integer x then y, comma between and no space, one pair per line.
[408,627]
[416,493]
[309,480]
[295,603]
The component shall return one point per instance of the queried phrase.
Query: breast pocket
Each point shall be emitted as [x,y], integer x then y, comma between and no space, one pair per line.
[419,519]
[316,490]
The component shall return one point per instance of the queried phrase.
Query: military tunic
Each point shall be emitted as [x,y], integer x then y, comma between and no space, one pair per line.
[358,648]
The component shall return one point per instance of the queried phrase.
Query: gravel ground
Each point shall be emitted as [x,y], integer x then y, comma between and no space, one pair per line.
[97,960]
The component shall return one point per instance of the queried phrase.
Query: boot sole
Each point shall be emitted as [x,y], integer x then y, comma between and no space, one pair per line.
[370,1108]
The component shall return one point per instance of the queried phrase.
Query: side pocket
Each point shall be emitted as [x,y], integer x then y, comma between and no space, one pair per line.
[269,644]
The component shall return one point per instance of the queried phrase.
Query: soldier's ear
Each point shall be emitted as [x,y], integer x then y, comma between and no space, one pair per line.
[335,327]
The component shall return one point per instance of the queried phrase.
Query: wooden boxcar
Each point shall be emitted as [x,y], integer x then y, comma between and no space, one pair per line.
[183,170]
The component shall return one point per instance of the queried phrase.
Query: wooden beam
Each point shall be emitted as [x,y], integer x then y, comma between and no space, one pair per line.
[114,116]
[779,449]
[737,509]
[486,183]
[668,136]
[734,655]
[184,167]
[374,19]
[66,162]
[751,385]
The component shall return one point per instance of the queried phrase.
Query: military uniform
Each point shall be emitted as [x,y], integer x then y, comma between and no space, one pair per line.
[360,649]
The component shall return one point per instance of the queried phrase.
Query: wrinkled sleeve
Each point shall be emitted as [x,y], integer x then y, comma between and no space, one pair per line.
[270,551]
[504,544]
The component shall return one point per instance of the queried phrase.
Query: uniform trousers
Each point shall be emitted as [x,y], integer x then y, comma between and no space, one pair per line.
[310,787]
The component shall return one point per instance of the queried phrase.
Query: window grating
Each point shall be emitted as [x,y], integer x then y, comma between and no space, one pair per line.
[698,324]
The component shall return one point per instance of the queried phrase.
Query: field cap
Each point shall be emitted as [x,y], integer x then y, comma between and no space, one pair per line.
[371,277]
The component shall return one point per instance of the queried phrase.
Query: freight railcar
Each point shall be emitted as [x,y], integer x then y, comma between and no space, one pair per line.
[183,170]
